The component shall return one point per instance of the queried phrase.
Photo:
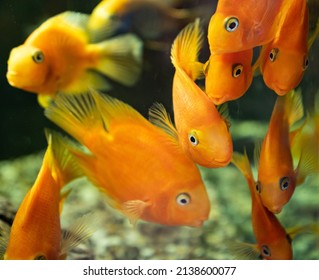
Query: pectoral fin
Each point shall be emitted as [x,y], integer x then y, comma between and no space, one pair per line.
[134,209]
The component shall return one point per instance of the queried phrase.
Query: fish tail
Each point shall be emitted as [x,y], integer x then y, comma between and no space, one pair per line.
[120,58]
[185,50]
[308,148]
[64,164]
[77,115]
[293,106]
[241,161]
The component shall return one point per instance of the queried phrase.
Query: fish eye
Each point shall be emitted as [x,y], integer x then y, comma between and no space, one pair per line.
[265,251]
[231,24]
[193,139]
[258,187]
[40,257]
[273,54]
[237,70]
[38,57]
[305,63]
[284,183]
[183,199]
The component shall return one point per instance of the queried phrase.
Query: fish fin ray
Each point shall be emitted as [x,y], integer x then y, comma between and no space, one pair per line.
[81,229]
[308,163]
[64,161]
[111,108]
[45,100]
[294,106]
[134,209]
[241,161]
[75,19]
[308,228]
[77,115]
[185,50]
[246,251]
[257,150]
[224,113]
[121,58]
[160,118]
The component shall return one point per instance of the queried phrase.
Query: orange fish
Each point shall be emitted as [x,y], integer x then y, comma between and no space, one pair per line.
[241,25]
[36,229]
[140,167]
[273,241]
[70,63]
[109,15]
[277,177]
[202,131]
[285,59]
[228,75]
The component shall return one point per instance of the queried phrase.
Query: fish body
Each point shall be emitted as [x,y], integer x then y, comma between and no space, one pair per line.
[237,26]
[228,75]
[273,242]
[109,15]
[69,63]
[141,168]
[202,131]
[277,176]
[36,229]
[285,58]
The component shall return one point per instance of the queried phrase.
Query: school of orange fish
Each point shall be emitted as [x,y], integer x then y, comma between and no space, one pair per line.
[148,168]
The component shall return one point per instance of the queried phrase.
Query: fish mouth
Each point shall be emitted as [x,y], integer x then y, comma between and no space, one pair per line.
[281,90]
[11,75]
[275,210]
[198,223]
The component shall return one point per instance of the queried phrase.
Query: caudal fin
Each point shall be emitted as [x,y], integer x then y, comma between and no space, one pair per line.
[121,58]
[185,50]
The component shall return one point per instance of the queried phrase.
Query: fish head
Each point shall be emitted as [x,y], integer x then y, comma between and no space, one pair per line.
[225,33]
[183,205]
[228,76]
[27,68]
[276,192]
[283,69]
[211,145]
[278,248]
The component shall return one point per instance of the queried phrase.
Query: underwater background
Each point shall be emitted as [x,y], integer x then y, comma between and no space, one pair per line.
[23,142]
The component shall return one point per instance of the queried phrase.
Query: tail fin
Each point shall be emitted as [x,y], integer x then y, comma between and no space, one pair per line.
[293,106]
[185,50]
[241,161]
[64,166]
[121,58]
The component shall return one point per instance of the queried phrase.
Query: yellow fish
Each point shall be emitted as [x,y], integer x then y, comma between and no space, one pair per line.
[285,59]
[273,241]
[109,16]
[58,57]
[228,75]
[277,176]
[241,25]
[36,230]
[140,167]
[202,131]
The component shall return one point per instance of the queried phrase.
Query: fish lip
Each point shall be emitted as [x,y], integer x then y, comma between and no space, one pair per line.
[280,90]
[275,210]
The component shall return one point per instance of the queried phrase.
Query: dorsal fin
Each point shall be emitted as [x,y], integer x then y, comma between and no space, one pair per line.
[75,19]
[159,117]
